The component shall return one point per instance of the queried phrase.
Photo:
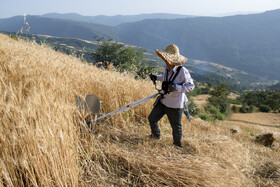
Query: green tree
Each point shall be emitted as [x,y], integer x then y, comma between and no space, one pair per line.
[219,98]
[260,98]
[123,58]
[107,51]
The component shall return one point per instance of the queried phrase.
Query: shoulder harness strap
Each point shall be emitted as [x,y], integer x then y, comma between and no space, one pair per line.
[166,82]
[174,75]
[166,74]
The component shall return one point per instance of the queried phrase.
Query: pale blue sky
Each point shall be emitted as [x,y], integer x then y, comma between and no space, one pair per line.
[9,8]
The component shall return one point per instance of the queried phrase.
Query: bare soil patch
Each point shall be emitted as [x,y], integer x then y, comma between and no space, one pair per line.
[201,100]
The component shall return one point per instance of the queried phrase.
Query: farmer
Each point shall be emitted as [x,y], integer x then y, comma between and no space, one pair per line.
[175,82]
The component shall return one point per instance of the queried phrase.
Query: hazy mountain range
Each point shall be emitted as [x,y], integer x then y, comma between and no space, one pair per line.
[250,43]
[114,20]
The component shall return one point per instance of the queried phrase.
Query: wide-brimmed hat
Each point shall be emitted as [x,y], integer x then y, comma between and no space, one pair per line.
[171,55]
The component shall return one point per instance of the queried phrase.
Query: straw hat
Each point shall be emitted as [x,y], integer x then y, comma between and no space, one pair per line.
[171,55]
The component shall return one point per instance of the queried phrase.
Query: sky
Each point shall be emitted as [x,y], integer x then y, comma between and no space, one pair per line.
[9,8]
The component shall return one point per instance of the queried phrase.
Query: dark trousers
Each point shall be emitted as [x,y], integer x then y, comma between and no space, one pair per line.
[174,116]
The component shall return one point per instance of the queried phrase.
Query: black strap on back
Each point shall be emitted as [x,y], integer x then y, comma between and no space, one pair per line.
[166,75]
[172,77]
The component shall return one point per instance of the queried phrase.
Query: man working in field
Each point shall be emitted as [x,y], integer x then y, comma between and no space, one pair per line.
[175,82]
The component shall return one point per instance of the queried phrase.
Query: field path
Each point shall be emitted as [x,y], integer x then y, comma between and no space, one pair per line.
[262,119]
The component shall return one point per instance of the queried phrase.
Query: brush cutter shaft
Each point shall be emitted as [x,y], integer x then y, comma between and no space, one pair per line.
[128,106]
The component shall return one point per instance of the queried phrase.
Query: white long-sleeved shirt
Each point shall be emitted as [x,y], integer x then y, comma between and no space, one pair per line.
[184,83]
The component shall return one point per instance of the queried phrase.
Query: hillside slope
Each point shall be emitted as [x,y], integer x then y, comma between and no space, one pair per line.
[56,27]
[43,141]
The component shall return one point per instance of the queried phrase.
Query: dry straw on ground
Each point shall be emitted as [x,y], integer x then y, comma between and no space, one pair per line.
[44,143]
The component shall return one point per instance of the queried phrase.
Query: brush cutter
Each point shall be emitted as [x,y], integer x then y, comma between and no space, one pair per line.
[91,104]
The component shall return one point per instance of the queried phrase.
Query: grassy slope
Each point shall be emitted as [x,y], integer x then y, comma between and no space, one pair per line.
[43,142]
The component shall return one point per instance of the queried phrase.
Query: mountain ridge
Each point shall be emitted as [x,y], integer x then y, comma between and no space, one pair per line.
[240,41]
[114,20]
[246,42]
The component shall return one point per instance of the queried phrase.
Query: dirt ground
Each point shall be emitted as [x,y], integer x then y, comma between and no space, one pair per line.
[201,100]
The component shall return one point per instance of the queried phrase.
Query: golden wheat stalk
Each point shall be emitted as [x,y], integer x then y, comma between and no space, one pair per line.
[43,142]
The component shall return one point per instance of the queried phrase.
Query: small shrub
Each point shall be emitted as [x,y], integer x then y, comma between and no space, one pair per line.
[235,109]
[253,108]
[193,109]
[216,114]
[220,116]
[205,90]
[205,117]
[265,108]
[13,37]
[212,109]
[245,109]
[235,101]
[265,139]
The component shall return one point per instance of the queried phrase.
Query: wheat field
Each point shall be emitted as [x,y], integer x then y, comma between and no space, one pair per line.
[44,141]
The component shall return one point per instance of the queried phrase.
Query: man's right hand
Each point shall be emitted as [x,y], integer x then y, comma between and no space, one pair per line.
[153,77]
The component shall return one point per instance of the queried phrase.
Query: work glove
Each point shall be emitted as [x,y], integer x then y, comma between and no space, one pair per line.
[171,87]
[153,77]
